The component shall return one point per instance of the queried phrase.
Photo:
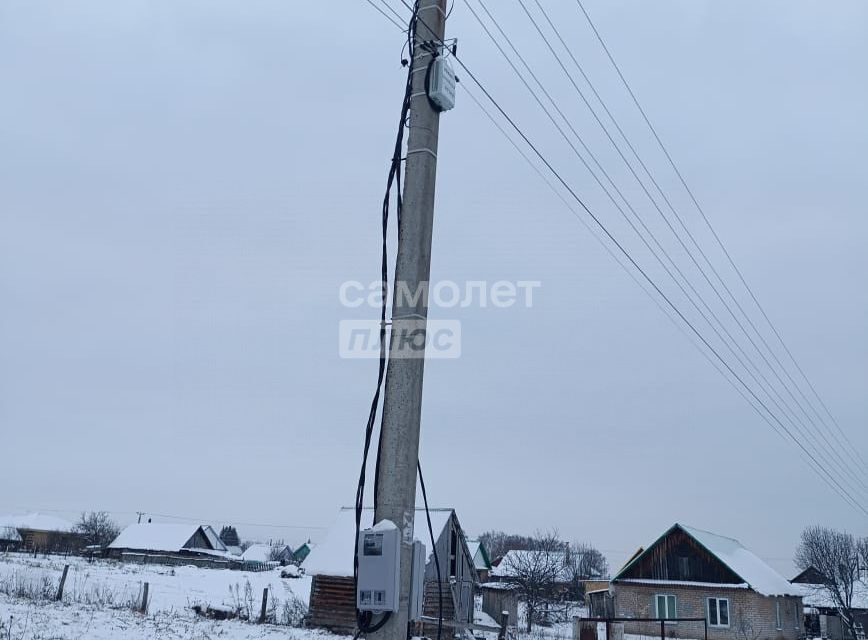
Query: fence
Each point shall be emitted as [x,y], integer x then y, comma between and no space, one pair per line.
[662,628]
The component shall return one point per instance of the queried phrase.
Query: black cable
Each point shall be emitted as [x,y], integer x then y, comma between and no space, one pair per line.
[595,233]
[394,178]
[434,550]
[849,449]
[385,15]
[729,342]
[828,478]
[826,445]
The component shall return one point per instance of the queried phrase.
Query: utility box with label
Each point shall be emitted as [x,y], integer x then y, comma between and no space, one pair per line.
[379,553]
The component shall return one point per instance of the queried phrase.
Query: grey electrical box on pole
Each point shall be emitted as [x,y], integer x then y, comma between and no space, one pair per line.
[402,403]
[379,556]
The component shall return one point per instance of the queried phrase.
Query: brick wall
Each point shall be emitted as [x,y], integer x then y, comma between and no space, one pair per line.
[752,616]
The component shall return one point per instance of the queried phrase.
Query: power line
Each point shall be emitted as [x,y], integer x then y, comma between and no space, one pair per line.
[835,485]
[384,14]
[626,269]
[827,446]
[731,344]
[849,448]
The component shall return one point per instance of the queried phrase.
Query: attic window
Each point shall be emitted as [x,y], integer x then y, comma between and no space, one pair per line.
[684,567]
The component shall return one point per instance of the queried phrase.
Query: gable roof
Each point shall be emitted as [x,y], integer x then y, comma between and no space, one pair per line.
[753,571]
[479,554]
[37,522]
[160,536]
[334,556]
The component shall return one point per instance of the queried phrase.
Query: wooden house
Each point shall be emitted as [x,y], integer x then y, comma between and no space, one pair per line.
[163,543]
[10,539]
[690,573]
[332,591]
[44,533]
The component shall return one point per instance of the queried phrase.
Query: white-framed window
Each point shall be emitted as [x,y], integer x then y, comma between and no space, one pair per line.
[718,612]
[665,606]
[779,623]
[796,617]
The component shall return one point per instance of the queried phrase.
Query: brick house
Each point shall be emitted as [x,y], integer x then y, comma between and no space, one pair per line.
[690,573]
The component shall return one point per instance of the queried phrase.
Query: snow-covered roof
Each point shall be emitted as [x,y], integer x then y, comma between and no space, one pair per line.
[334,556]
[258,553]
[37,522]
[161,536]
[753,571]
[515,559]
[9,534]
[816,595]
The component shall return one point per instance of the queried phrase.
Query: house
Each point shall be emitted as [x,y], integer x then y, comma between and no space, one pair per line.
[44,533]
[514,562]
[822,618]
[332,592]
[165,543]
[690,573]
[481,561]
[10,539]
[302,551]
[262,553]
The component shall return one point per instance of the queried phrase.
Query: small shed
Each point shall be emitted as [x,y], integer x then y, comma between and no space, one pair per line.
[262,553]
[498,597]
[332,592]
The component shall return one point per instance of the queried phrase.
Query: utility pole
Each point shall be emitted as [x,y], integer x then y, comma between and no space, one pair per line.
[140,514]
[402,403]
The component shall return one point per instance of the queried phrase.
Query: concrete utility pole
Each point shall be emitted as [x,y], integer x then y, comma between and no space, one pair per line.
[402,404]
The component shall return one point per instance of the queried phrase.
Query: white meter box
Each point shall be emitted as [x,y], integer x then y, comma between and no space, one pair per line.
[379,568]
[441,84]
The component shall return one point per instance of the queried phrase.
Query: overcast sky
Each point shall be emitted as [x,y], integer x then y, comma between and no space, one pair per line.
[184,186]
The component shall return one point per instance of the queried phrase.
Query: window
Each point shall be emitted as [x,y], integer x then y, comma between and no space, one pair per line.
[778,622]
[684,567]
[796,616]
[718,612]
[665,606]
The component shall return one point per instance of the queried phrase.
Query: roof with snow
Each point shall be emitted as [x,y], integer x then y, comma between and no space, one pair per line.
[751,570]
[334,557]
[159,536]
[9,534]
[37,522]
[262,552]
[816,595]
[514,559]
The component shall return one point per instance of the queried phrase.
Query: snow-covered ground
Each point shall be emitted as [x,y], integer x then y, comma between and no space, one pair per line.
[99,598]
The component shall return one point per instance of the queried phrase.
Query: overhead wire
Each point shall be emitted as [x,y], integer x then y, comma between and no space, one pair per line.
[666,312]
[846,444]
[817,433]
[732,345]
[830,480]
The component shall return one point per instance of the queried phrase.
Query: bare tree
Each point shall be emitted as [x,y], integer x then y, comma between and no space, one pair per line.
[536,572]
[97,527]
[584,562]
[835,556]
[497,543]
[747,627]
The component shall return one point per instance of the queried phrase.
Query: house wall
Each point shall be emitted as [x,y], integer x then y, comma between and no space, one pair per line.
[457,572]
[495,601]
[752,616]
[332,604]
